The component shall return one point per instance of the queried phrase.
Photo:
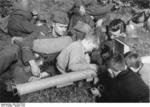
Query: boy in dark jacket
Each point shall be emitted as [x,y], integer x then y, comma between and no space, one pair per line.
[126,85]
[138,65]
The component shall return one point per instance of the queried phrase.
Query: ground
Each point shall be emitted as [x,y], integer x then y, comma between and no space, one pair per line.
[73,93]
[67,94]
[81,94]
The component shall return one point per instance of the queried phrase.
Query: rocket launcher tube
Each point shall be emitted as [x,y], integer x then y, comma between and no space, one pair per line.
[54,81]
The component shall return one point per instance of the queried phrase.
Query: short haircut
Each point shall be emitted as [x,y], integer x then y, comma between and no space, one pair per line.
[117,24]
[94,38]
[116,62]
[132,59]
[138,18]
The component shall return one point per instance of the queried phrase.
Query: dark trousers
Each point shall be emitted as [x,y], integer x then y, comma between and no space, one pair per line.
[8,56]
[11,64]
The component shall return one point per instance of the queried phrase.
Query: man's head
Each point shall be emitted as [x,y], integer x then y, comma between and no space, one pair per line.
[116,28]
[90,42]
[60,22]
[133,61]
[115,64]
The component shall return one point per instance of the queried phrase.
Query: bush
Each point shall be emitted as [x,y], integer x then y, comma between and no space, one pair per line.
[5,7]
[139,3]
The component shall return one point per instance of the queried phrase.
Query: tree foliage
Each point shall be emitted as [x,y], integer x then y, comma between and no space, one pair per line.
[43,6]
[139,3]
[5,7]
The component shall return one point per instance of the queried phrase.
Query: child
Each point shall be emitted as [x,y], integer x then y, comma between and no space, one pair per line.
[112,42]
[116,39]
[126,85]
[137,65]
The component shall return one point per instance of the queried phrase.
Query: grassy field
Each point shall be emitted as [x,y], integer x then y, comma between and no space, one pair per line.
[73,93]
[67,94]
[81,94]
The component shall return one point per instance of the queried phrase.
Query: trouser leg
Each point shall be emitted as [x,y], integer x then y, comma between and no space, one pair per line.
[8,56]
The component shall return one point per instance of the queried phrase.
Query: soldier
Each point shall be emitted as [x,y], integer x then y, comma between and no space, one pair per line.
[75,57]
[48,45]
[20,21]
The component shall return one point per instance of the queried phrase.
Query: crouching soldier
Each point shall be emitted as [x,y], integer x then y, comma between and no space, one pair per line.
[76,56]
[11,65]
[20,20]
[126,85]
[48,46]
[11,68]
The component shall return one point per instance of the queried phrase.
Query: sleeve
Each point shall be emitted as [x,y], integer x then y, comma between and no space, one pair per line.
[113,93]
[96,58]
[27,55]
[28,27]
[77,61]
[27,49]
[96,10]
[8,55]
[113,96]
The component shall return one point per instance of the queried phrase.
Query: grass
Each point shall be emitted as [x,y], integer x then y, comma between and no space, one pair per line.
[73,93]
[81,94]
[66,94]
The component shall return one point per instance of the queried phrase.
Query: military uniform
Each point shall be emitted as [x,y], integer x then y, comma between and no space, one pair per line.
[11,65]
[46,45]
[19,23]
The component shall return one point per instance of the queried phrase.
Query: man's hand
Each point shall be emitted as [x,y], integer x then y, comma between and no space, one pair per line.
[87,58]
[95,92]
[82,10]
[96,80]
[34,68]
[93,67]
[99,23]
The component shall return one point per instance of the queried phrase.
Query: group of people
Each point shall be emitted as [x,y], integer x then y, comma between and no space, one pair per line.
[75,40]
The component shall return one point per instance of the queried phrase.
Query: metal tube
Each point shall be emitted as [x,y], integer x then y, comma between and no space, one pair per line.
[54,81]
